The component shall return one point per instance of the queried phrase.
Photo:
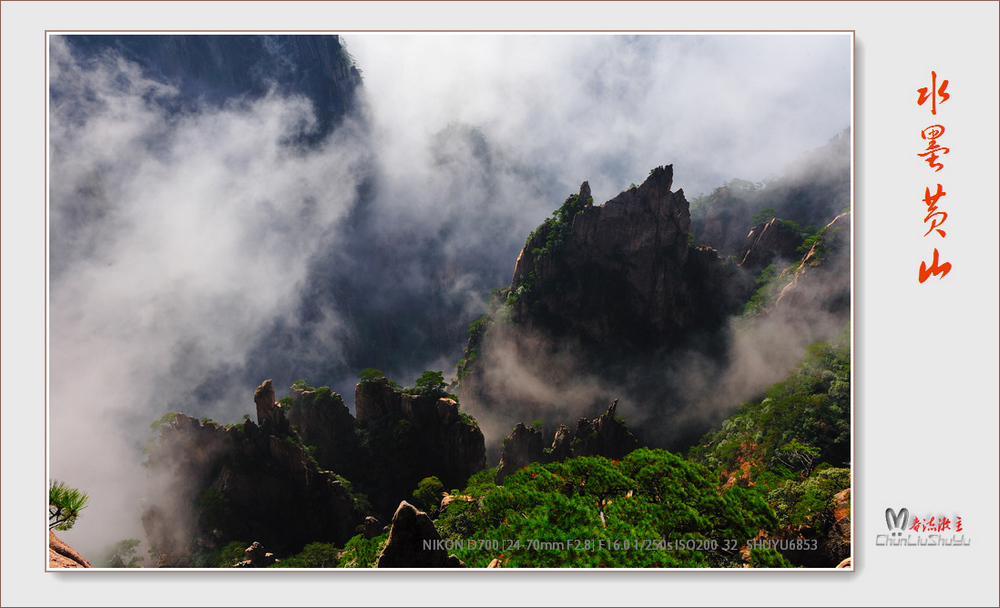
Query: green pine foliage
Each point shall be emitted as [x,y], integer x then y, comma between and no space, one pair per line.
[231,554]
[428,493]
[65,505]
[809,502]
[580,513]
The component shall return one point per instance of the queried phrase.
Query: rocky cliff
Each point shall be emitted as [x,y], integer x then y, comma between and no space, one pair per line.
[274,481]
[769,242]
[821,282]
[623,276]
[396,440]
[215,484]
[62,555]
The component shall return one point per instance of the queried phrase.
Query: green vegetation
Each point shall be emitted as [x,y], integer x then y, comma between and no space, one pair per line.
[477,332]
[168,418]
[231,554]
[428,493]
[313,555]
[369,374]
[797,425]
[764,216]
[556,228]
[776,465]
[65,505]
[579,512]
[430,384]
[360,552]
[770,282]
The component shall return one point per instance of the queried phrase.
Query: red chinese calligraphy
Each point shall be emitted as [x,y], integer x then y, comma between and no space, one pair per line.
[935,93]
[933,214]
[931,135]
[935,269]
[944,524]
[916,524]
[958,524]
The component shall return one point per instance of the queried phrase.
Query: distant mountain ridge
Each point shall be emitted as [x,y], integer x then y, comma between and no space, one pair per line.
[219,69]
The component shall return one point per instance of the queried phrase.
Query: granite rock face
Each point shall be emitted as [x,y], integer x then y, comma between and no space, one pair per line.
[411,542]
[62,555]
[622,276]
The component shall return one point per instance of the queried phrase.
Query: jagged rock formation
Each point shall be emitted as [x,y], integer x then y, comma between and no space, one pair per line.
[62,555]
[523,446]
[605,436]
[622,276]
[411,436]
[217,484]
[601,292]
[768,242]
[262,481]
[406,545]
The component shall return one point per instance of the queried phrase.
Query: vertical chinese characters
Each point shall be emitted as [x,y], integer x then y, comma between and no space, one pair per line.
[935,218]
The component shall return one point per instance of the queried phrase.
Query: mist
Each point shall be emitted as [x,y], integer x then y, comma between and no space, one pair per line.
[196,250]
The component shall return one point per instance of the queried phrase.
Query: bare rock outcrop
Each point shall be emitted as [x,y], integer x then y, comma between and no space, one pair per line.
[414,542]
[62,555]
[373,527]
[607,435]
